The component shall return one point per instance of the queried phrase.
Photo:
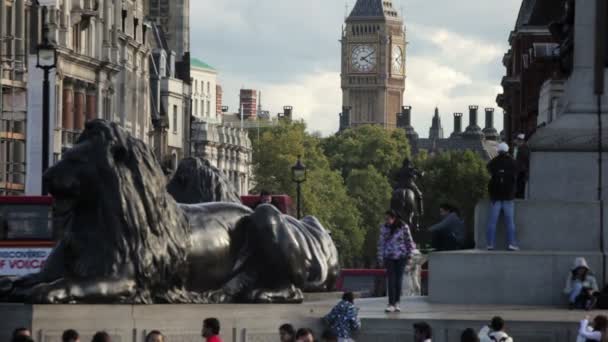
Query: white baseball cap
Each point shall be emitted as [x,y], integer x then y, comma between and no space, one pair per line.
[502,148]
[521,136]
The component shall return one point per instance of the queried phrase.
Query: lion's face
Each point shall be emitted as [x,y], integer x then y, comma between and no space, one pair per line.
[81,175]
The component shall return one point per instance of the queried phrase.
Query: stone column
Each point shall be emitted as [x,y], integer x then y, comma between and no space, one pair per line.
[79,104]
[19,28]
[67,121]
[91,110]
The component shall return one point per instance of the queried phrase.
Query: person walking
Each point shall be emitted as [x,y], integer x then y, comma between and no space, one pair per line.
[521,153]
[395,248]
[495,331]
[422,332]
[343,320]
[597,331]
[503,173]
[70,335]
[211,330]
[287,333]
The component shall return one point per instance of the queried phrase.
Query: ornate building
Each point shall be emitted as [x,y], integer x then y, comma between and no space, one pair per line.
[530,61]
[173,16]
[14,45]
[373,64]
[102,72]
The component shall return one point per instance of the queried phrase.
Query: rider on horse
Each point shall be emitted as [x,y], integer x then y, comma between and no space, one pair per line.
[406,179]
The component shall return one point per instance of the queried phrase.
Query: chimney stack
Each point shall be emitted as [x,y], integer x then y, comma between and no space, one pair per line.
[406,116]
[489,131]
[473,131]
[473,116]
[404,121]
[457,124]
[287,113]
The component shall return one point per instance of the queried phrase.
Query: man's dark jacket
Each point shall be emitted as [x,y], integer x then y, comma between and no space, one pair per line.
[503,170]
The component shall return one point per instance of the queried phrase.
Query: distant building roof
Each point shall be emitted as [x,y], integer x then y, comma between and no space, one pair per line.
[197,63]
[485,148]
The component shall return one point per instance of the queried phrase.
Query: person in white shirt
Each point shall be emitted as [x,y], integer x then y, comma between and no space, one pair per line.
[595,331]
[422,332]
[494,332]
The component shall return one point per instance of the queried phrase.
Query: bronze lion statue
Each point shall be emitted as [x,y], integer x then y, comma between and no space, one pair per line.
[197,181]
[126,240]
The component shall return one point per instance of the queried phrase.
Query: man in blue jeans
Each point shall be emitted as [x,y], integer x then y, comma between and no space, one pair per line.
[502,188]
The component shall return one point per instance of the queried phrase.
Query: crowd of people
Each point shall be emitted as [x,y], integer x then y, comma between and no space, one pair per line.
[342,325]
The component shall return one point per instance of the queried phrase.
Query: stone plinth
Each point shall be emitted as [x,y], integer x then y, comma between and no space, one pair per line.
[504,278]
[546,225]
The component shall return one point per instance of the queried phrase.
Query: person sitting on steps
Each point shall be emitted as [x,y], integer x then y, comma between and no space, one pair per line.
[581,286]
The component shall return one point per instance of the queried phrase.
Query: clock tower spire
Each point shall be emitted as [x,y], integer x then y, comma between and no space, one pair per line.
[373,63]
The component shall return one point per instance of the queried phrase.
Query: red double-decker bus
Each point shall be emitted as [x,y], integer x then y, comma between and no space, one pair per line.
[26,234]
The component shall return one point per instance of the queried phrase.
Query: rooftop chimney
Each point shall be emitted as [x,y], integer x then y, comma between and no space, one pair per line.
[473,131]
[457,124]
[287,113]
[404,121]
[489,131]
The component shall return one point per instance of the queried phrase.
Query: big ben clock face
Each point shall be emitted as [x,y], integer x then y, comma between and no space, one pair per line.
[364,58]
[397,60]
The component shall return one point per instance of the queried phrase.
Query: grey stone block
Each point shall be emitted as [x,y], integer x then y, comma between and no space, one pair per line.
[503,278]
[546,225]
[566,176]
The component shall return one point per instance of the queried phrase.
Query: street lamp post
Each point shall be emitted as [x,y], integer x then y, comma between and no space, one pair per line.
[298,174]
[47,60]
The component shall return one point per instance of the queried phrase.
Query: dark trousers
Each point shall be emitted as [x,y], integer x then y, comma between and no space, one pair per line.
[394,273]
[522,180]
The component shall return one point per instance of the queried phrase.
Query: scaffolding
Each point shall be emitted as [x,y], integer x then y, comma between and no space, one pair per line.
[13,110]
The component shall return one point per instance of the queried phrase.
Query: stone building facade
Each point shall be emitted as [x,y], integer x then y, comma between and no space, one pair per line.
[170,98]
[173,17]
[227,148]
[531,59]
[102,72]
[15,16]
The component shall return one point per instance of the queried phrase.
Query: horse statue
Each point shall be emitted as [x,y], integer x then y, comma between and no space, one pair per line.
[406,199]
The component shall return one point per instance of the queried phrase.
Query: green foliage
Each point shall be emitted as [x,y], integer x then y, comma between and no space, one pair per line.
[458,178]
[356,148]
[371,192]
[324,194]
[349,180]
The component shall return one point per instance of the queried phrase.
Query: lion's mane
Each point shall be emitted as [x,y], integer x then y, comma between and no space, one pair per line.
[197,181]
[143,227]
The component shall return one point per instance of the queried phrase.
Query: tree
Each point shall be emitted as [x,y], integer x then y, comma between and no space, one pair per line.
[358,147]
[371,192]
[324,194]
[455,177]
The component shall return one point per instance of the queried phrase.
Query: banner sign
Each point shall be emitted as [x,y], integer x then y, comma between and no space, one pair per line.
[22,261]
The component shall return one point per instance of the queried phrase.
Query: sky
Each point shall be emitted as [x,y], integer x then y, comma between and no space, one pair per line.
[290,50]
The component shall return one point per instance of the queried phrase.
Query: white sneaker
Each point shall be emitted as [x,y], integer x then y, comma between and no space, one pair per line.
[397,308]
[513,248]
[390,309]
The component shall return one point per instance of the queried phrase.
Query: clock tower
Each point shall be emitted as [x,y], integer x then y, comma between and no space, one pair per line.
[373,64]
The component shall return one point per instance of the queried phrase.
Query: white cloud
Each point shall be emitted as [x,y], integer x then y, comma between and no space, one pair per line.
[316,98]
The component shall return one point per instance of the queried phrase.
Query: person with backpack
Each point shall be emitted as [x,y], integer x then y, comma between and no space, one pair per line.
[502,186]
[581,286]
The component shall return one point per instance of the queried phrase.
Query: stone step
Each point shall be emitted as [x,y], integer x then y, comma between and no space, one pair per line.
[547,225]
[504,278]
